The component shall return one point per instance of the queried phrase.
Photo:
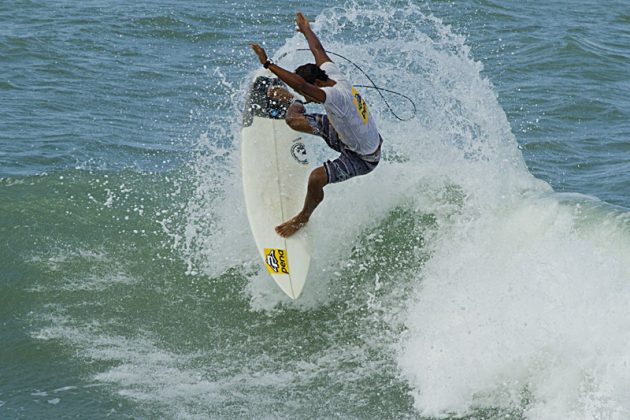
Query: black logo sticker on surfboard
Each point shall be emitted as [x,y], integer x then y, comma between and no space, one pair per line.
[298,151]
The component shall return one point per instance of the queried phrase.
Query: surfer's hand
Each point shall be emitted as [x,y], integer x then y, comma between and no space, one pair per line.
[301,22]
[260,52]
[279,94]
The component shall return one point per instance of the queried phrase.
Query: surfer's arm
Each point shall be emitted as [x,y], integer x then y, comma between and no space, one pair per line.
[311,92]
[297,120]
[314,44]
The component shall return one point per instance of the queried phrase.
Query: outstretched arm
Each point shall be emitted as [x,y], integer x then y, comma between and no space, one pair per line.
[313,42]
[306,89]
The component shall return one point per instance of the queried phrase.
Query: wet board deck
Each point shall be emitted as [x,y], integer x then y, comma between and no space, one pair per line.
[275,172]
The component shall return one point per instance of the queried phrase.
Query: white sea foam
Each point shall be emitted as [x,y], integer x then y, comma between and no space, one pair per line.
[522,301]
[195,385]
[102,274]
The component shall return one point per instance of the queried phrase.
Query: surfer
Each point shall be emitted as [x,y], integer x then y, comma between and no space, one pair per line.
[347,126]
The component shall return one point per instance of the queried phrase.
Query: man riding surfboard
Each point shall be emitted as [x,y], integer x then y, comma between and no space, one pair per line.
[347,126]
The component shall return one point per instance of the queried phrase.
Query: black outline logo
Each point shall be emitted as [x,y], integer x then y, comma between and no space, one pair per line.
[298,151]
[272,261]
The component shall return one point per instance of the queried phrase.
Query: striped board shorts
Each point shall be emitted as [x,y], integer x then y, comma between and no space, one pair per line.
[349,164]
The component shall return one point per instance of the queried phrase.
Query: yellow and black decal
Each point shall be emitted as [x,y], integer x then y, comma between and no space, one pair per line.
[277,261]
[360,104]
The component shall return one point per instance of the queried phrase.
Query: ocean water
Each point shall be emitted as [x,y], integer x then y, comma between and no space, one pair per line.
[481,272]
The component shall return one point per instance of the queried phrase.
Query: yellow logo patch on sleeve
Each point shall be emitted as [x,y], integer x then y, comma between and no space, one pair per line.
[360,104]
[277,261]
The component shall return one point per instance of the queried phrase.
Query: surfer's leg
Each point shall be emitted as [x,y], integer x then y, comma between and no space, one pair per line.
[346,166]
[314,195]
[296,119]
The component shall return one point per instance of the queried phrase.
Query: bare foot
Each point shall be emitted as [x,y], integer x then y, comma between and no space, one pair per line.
[290,227]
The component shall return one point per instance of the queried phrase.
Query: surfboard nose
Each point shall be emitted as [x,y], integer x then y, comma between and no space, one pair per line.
[259,104]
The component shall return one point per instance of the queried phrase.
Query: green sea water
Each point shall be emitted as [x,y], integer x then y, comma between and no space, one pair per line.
[480,272]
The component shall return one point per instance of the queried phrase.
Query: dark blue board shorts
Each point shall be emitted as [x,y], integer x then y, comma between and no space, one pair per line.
[349,164]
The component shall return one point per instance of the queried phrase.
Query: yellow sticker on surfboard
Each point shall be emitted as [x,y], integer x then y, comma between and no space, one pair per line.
[276,260]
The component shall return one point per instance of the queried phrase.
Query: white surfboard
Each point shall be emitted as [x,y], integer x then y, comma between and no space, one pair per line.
[275,173]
